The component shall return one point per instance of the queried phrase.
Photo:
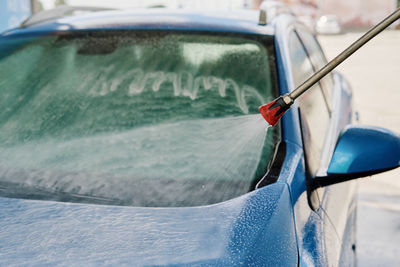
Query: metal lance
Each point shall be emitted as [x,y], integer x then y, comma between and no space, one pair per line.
[274,110]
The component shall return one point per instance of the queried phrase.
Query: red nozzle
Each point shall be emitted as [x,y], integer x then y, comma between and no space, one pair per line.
[274,110]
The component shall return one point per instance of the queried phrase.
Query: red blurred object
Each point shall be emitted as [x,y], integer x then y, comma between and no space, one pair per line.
[274,110]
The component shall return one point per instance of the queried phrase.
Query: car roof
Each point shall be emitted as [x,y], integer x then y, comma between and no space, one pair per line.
[235,21]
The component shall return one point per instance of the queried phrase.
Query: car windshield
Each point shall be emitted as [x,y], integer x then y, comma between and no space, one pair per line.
[145,118]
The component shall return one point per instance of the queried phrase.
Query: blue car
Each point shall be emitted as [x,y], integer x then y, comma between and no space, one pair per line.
[134,138]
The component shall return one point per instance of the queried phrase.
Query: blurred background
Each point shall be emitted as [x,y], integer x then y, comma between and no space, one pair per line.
[349,14]
[372,71]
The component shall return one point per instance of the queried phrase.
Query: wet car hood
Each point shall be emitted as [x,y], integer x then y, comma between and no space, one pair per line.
[256,228]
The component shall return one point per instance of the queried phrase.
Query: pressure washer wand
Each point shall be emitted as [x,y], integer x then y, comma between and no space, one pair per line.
[274,110]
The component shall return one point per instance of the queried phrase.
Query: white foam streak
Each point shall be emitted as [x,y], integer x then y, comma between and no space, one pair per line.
[214,149]
[184,84]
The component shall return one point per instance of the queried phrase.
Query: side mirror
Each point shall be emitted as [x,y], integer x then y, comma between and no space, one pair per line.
[361,151]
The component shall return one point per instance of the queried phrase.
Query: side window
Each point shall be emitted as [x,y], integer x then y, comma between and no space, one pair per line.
[313,109]
[318,60]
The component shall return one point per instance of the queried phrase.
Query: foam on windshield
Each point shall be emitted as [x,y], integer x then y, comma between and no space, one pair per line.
[139,124]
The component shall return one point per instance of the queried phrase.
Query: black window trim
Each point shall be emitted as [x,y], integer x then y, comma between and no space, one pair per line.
[274,167]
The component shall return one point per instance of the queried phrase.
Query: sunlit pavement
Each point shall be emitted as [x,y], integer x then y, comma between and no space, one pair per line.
[374,73]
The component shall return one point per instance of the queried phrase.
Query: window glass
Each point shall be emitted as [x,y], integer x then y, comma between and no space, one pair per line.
[145,118]
[315,115]
[318,60]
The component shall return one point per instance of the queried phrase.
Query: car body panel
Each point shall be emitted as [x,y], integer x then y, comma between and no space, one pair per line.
[358,152]
[254,228]
[290,120]
[155,19]
[329,220]
[338,202]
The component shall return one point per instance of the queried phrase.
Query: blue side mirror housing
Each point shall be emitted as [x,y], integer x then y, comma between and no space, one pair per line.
[361,151]
[365,150]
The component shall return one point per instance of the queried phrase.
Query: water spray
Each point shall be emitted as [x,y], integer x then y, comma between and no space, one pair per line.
[274,110]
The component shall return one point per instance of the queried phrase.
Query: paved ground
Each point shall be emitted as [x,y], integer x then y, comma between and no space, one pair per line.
[374,73]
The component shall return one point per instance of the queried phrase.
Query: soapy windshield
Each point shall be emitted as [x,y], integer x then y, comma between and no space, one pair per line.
[135,118]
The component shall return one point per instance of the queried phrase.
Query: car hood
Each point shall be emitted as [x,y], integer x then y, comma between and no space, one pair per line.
[256,228]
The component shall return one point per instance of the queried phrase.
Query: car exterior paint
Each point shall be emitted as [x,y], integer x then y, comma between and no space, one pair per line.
[319,242]
[232,233]
[280,224]
[351,157]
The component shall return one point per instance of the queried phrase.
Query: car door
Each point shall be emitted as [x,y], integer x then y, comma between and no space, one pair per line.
[318,123]
[314,118]
[325,120]
[338,201]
